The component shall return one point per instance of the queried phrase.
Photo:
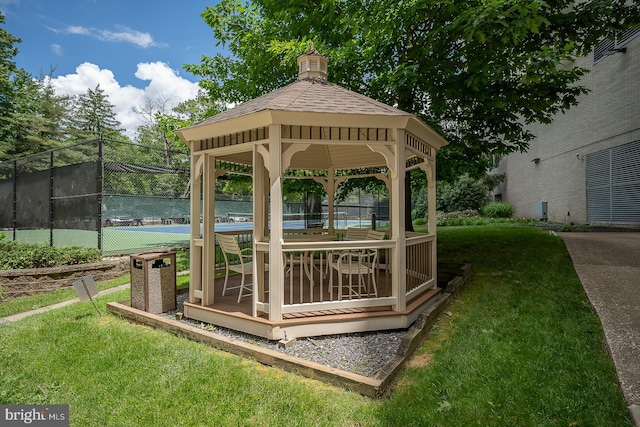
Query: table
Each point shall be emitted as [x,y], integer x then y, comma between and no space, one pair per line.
[306,257]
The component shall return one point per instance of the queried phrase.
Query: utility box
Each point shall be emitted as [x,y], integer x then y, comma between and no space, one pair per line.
[541,211]
[153,281]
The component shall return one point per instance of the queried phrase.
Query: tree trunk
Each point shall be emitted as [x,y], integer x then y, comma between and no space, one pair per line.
[408,223]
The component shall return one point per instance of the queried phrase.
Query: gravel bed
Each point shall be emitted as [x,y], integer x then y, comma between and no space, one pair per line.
[364,353]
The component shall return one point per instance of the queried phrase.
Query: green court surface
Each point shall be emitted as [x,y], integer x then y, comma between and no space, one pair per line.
[115,240]
[122,240]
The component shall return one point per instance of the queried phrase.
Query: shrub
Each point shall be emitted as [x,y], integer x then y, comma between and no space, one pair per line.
[456,218]
[15,255]
[498,210]
[419,221]
[464,194]
[420,200]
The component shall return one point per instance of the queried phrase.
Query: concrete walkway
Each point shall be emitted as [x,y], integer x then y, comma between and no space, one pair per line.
[608,265]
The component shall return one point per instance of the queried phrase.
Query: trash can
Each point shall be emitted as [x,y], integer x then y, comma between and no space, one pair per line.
[153,281]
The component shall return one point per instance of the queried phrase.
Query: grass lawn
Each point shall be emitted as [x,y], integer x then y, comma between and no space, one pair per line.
[522,346]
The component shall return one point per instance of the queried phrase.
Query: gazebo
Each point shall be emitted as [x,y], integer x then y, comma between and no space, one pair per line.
[321,131]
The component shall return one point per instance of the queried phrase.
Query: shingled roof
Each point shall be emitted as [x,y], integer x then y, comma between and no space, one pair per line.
[313,101]
[310,95]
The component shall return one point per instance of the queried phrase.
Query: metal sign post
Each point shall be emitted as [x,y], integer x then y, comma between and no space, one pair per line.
[86,289]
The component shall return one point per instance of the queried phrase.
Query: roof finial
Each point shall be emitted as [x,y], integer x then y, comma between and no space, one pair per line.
[312,65]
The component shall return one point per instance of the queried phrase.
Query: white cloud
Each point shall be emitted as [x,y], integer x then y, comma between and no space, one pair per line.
[127,35]
[123,34]
[57,49]
[75,29]
[164,84]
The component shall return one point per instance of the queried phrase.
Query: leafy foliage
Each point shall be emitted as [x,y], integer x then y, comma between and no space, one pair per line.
[15,255]
[35,122]
[93,115]
[477,71]
[30,112]
[464,194]
[8,51]
[464,217]
[160,123]
[498,210]
[369,185]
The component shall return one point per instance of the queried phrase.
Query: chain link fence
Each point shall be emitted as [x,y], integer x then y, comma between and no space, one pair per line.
[125,198]
[79,195]
[52,197]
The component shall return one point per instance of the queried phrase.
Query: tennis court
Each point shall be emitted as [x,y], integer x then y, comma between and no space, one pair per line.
[131,239]
[145,238]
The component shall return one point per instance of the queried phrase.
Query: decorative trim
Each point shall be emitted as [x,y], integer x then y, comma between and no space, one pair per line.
[418,145]
[237,138]
[328,133]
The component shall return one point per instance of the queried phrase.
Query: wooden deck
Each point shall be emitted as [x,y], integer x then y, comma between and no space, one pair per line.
[227,312]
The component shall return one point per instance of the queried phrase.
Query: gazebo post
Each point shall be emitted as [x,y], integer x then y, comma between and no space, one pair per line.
[331,194]
[195,252]
[429,167]
[399,253]
[208,221]
[276,296]
[259,226]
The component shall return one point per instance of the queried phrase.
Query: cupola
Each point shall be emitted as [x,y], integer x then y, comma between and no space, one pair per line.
[312,65]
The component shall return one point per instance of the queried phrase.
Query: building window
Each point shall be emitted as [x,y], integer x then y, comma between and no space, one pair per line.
[607,45]
[495,161]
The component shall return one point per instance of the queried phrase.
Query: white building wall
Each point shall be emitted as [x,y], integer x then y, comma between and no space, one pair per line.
[553,170]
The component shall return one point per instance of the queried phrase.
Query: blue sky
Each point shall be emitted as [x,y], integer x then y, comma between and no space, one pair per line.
[134,49]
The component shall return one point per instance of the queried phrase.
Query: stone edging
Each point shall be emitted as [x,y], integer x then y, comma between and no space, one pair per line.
[31,281]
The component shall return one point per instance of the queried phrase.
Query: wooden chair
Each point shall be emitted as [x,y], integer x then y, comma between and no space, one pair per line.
[229,247]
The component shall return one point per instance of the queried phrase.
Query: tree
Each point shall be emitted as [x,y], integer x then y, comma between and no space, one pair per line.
[93,116]
[477,71]
[160,124]
[23,128]
[8,51]
[31,114]
[35,122]
[158,158]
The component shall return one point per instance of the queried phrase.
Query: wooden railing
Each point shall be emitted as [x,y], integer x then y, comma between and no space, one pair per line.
[420,272]
[308,284]
[307,272]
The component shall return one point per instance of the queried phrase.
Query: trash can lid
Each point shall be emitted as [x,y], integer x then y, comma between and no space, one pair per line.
[152,255]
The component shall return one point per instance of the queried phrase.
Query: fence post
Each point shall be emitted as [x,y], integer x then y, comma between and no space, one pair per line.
[100,190]
[51,198]
[15,198]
